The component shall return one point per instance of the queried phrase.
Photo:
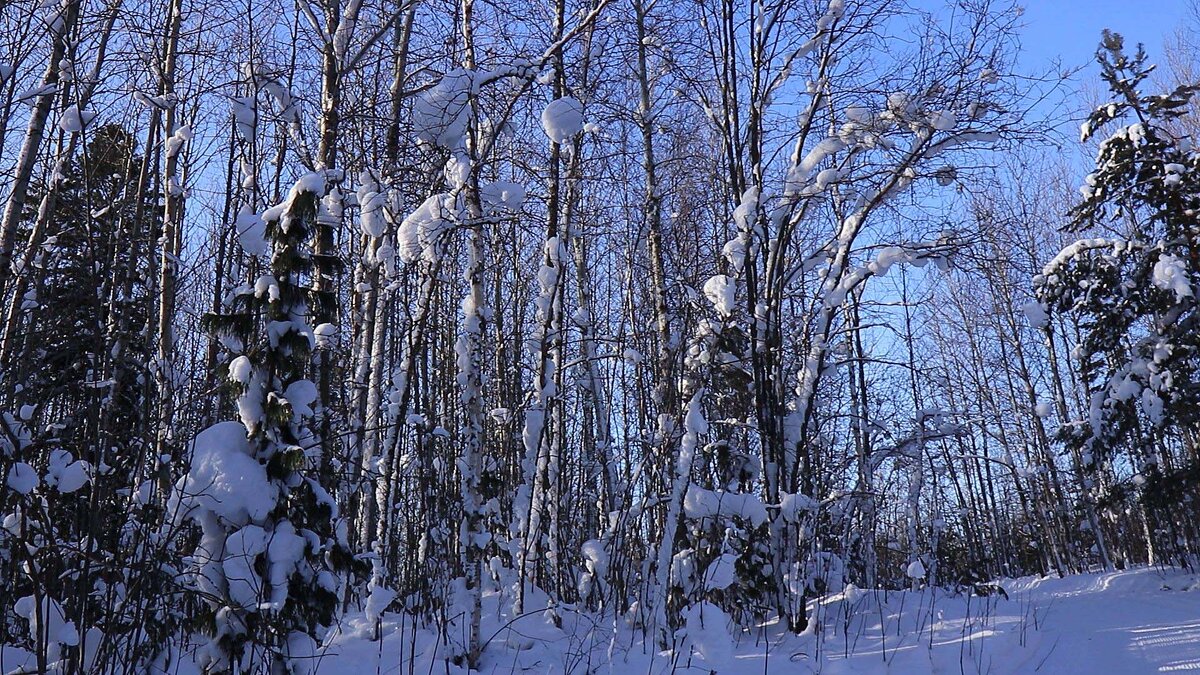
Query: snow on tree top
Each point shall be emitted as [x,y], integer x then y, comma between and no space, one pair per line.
[562,119]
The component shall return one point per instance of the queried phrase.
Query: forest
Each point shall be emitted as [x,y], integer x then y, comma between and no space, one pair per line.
[662,317]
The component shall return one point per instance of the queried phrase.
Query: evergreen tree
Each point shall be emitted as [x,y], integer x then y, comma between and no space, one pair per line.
[79,429]
[75,306]
[1133,295]
[270,541]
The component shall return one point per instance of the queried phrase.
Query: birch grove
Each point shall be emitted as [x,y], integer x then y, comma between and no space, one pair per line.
[644,311]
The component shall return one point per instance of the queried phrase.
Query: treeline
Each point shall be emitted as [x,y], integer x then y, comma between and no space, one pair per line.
[603,305]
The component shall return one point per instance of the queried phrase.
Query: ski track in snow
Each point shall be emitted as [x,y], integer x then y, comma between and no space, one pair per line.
[1125,623]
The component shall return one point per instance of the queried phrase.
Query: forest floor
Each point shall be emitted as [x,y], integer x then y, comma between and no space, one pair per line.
[1134,622]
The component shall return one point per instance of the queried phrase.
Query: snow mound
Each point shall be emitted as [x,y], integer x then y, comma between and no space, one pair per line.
[225,479]
[1170,274]
[562,119]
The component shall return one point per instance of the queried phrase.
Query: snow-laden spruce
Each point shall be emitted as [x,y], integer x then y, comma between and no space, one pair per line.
[266,525]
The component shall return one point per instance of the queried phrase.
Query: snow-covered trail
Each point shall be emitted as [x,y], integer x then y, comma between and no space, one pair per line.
[1123,622]
[1134,622]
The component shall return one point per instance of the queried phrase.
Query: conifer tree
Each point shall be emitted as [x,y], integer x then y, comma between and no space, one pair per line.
[270,545]
[81,416]
[1133,293]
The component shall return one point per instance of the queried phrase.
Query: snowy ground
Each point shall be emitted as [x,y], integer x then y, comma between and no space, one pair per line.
[1132,622]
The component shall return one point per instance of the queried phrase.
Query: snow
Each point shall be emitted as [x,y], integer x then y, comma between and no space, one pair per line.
[252,233]
[47,620]
[239,369]
[23,478]
[1035,313]
[303,654]
[888,256]
[1126,388]
[859,114]
[746,212]
[152,102]
[372,218]
[242,549]
[1131,622]
[503,194]
[708,637]
[562,119]
[900,104]
[419,231]
[942,120]
[721,573]
[1152,405]
[596,556]
[268,285]
[915,570]
[735,252]
[177,140]
[285,550]
[281,95]
[224,478]
[457,169]
[301,394]
[30,96]
[1069,252]
[720,291]
[377,601]
[826,177]
[679,507]
[699,503]
[794,506]
[799,174]
[324,333]
[73,476]
[74,120]
[245,114]
[1170,274]
[440,115]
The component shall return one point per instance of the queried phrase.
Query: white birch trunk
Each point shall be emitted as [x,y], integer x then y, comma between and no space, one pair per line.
[61,24]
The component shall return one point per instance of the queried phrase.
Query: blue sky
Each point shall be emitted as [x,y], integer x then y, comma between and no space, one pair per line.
[1070,29]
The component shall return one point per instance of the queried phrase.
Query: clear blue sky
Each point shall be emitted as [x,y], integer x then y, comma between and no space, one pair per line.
[1070,29]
